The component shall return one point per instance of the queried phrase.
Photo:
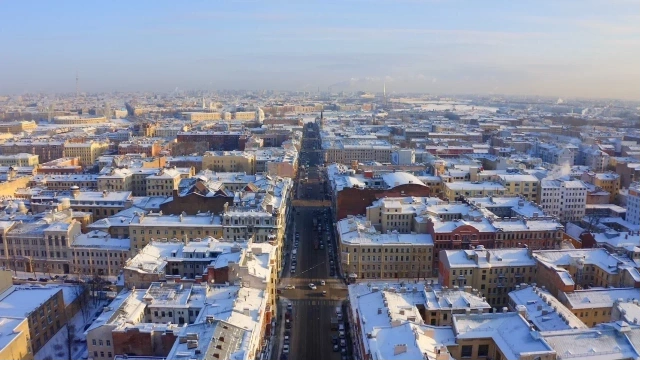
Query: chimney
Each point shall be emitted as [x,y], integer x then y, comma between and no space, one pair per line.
[521,310]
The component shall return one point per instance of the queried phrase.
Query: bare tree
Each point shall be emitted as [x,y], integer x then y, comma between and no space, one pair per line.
[83,297]
[68,341]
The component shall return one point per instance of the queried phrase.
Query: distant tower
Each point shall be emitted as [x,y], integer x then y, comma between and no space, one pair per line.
[203,103]
[50,112]
[384,93]
[77,83]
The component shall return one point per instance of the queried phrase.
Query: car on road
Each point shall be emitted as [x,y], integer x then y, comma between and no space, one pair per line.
[286,340]
[332,274]
[342,343]
[290,305]
[285,348]
[343,357]
[341,334]
[293,270]
[336,348]
[322,282]
[312,286]
[343,350]
[289,287]
[335,339]
[287,332]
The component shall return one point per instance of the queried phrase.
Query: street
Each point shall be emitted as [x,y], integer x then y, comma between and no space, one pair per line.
[313,319]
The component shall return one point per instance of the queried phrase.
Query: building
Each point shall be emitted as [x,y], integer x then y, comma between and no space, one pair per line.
[22,159]
[610,341]
[570,270]
[61,166]
[15,339]
[46,150]
[543,310]
[609,182]
[78,120]
[498,336]
[455,190]
[520,184]
[99,204]
[229,161]
[145,228]
[366,253]
[352,193]
[42,307]
[594,306]
[564,199]
[633,214]
[87,152]
[98,254]
[346,151]
[493,272]
[65,182]
[163,183]
[17,127]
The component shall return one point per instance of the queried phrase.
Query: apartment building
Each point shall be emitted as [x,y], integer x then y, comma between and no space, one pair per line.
[455,190]
[99,204]
[65,182]
[609,182]
[367,253]
[570,270]
[493,272]
[229,161]
[594,306]
[42,307]
[115,179]
[145,228]
[78,120]
[98,254]
[633,214]
[346,151]
[41,246]
[22,159]
[564,199]
[148,147]
[17,127]
[163,183]
[14,339]
[46,150]
[520,184]
[87,152]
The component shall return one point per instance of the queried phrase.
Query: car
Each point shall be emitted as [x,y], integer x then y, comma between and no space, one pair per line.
[289,287]
[324,293]
[283,356]
[341,334]
[312,286]
[288,325]
[335,339]
[31,279]
[343,350]
[286,340]
[336,348]
[331,273]
[293,270]
[343,357]
[290,305]
[342,343]
[287,332]
[43,279]
[285,348]
[322,282]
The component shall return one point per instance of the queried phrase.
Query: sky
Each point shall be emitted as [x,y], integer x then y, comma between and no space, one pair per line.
[557,48]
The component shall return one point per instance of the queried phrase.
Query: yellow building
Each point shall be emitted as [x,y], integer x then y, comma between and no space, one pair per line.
[493,272]
[229,161]
[163,183]
[609,182]
[520,184]
[87,152]
[17,127]
[23,159]
[594,306]
[14,339]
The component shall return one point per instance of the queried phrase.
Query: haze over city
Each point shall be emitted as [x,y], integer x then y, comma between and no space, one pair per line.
[552,48]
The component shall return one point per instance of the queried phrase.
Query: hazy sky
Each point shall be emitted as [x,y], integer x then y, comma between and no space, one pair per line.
[547,47]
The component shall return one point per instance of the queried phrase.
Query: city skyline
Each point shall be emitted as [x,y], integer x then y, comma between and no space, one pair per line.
[577,49]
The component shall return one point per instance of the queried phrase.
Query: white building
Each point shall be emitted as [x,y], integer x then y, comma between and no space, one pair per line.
[565,199]
[403,157]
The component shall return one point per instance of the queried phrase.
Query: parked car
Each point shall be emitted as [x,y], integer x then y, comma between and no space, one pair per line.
[312,286]
[336,348]
[285,348]
[322,282]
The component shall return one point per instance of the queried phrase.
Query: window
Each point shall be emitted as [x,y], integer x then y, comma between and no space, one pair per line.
[466,352]
[101,353]
[108,343]
[110,354]
[94,343]
[483,350]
